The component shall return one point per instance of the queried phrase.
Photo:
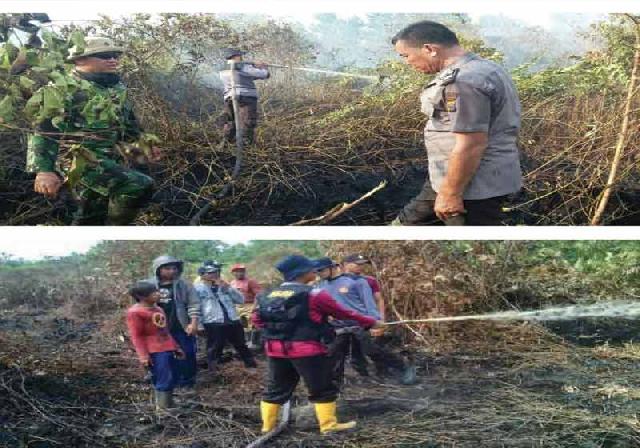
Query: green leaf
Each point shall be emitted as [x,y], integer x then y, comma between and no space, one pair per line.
[5,61]
[7,109]
[48,102]
[33,104]
[53,102]
[147,141]
[57,121]
[32,58]
[26,83]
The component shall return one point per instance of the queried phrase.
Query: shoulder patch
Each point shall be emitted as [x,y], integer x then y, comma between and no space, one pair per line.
[447,76]
[450,101]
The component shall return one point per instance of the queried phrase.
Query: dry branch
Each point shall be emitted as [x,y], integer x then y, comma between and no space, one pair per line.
[623,135]
[340,208]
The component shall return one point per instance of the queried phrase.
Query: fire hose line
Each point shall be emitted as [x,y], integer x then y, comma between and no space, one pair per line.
[327,72]
[233,66]
[284,422]
[611,309]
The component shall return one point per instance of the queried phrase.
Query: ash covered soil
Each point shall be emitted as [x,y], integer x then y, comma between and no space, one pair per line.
[70,383]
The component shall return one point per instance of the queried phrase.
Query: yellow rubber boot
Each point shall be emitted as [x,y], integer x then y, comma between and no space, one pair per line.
[269,413]
[326,414]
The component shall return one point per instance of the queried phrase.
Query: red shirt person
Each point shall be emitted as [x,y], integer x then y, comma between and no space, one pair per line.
[247,286]
[148,331]
[150,336]
[321,305]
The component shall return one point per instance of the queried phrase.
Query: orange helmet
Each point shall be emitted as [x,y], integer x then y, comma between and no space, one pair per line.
[238,267]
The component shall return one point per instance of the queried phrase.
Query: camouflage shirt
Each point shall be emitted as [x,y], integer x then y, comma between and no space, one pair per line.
[74,111]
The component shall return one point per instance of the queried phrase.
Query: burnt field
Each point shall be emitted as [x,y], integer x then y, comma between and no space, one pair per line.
[69,376]
[70,383]
[324,141]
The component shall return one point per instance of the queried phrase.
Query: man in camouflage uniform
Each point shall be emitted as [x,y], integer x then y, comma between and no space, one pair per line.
[89,111]
[473,119]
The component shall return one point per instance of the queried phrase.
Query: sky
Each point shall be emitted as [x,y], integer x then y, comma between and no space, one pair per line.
[30,249]
[38,248]
[539,17]
[533,12]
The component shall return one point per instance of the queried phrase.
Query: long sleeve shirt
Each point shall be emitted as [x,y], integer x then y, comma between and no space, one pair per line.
[245,75]
[321,305]
[95,117]
[248,287]
[353,293]
[148,331]
[212,301]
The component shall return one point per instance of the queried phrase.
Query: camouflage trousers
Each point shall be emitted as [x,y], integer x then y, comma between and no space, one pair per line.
[111,194]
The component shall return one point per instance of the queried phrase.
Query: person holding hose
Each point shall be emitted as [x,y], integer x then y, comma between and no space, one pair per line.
[239,81]
[294,319]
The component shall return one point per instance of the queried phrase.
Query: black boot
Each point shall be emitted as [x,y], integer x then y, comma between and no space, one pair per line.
[212,364]
[248,360]
[256,340]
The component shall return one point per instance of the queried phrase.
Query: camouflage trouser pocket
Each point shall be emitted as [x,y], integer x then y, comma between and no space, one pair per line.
[113,180]
[111,192]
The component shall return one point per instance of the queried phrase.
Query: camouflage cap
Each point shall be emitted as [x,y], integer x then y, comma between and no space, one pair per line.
[93,45]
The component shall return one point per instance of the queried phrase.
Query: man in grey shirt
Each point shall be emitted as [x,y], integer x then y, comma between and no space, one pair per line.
[473,119]
[238,81]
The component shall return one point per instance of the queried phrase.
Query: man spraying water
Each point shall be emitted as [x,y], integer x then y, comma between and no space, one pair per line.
[239,83]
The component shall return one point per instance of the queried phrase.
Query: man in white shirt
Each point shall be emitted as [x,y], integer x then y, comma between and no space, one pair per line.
[239,82]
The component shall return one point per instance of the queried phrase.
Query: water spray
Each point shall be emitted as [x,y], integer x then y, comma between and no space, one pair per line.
[615,309]
[329,72]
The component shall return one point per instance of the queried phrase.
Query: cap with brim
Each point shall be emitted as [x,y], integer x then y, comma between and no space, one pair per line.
[293,266]
[238,267]
[93,45]
[324,263]
[231,52]
[355,258]
[209,269]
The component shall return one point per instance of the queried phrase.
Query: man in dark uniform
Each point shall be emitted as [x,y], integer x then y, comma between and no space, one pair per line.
[293,318]
[473,119]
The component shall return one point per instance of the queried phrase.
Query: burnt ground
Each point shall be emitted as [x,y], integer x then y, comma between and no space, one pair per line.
[322,190]
[71,383]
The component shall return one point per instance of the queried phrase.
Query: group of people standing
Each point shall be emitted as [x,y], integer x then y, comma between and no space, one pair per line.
[309,325]
[172,311]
